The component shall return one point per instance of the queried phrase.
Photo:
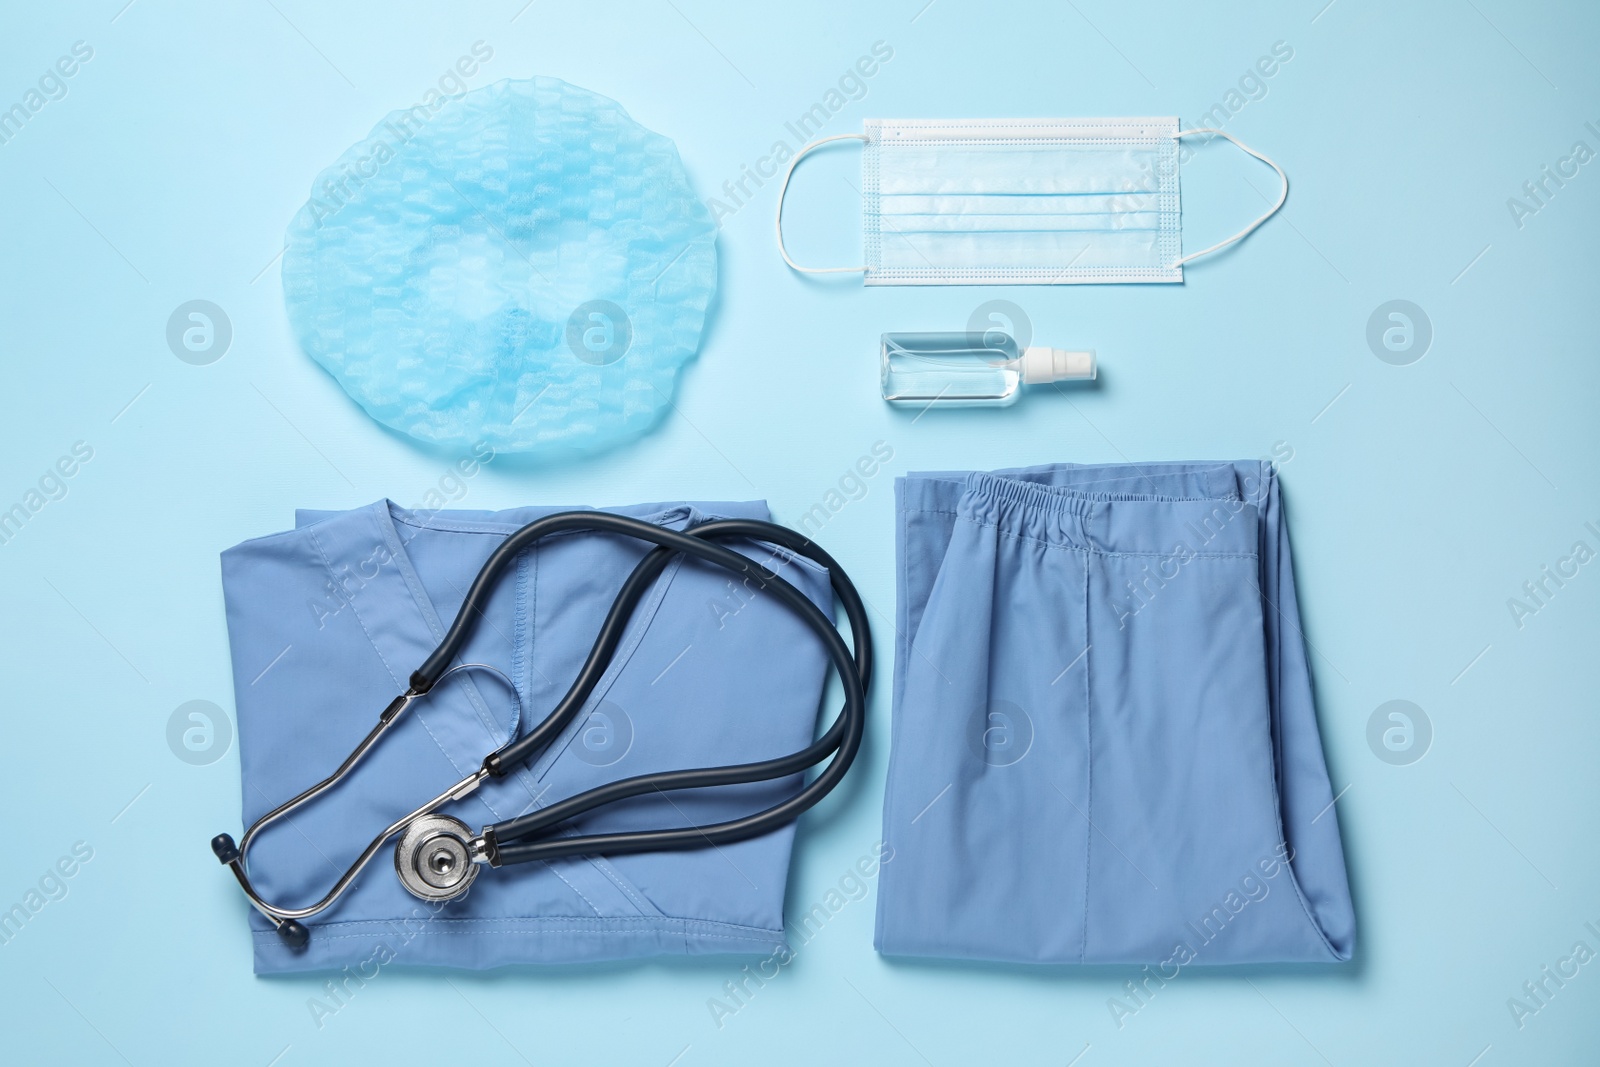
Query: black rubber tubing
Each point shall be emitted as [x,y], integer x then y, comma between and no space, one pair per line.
[519,840]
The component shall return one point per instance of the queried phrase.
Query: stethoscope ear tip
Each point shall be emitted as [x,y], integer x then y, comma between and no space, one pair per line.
[294,934]
[223,847]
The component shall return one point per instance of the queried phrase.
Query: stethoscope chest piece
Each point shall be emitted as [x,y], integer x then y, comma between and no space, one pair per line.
[433,858]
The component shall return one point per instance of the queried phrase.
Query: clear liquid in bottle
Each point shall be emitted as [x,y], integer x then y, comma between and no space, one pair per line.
[970,369]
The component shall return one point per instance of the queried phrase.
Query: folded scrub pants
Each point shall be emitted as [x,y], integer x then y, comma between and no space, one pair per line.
[1104,743]
[326,621]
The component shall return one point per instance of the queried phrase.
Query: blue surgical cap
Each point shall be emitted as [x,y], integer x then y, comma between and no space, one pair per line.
[523,265]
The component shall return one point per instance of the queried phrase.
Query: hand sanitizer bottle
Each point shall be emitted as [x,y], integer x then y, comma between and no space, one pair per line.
[971,369]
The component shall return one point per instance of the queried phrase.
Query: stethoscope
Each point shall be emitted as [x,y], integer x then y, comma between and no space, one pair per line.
[438,857]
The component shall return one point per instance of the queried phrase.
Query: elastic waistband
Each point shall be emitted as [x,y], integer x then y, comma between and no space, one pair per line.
[1132,508]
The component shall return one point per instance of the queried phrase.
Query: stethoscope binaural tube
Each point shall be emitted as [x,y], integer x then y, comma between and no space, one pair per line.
[528,837]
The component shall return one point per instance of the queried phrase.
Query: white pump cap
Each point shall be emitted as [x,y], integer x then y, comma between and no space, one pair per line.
[1040,365]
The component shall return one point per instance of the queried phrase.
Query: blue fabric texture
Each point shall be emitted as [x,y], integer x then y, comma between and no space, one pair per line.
[1105,748]
[522,265]
[326,622]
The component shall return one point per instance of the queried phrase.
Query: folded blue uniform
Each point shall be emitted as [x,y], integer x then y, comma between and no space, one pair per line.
[1104,743]
[327,620]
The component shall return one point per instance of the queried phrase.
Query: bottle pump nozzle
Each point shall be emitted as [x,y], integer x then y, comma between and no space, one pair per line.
[1040,365]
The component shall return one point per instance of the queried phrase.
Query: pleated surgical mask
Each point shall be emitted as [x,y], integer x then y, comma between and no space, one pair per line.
[1021,201]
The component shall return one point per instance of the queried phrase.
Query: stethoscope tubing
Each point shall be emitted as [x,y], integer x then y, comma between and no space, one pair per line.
[510,840]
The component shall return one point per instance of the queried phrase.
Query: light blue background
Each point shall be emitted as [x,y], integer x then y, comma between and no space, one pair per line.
[1421,497]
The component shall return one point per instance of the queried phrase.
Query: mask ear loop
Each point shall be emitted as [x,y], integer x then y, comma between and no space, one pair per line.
[1273,210]
[784,189]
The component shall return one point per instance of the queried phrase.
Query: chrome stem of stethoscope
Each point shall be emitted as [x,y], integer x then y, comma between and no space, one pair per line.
[287,920]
